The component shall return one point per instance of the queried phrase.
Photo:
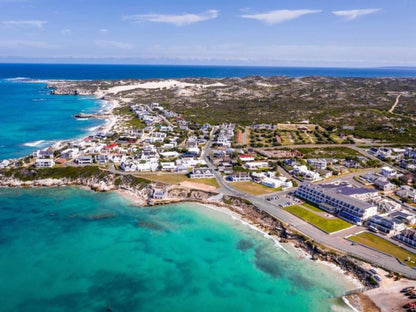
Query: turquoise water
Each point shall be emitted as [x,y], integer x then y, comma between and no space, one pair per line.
[31,118]
[66,249]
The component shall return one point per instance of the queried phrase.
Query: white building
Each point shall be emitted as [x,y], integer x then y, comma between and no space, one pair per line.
[168,166]
[271,182]
[201,173]
[4,164]
[253,165]
[128,166]
[84,160]
[317,163]
[240,177]
[336,199]
[305,173]
[44,163]
[70,153]
[388,172]
[386,224]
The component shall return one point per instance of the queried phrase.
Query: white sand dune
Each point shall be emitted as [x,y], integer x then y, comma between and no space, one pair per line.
[168,84]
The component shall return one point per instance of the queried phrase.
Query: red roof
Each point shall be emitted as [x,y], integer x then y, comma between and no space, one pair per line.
[245,156]
[111,146]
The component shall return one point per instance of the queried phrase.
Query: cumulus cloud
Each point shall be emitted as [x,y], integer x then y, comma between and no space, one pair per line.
[28,23]
[113,44]
[353,14]
[178,20]
[279,16]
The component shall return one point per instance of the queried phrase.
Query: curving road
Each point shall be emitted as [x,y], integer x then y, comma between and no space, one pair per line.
[335,241]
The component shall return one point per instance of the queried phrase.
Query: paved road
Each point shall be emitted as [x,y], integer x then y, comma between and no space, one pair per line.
[334,241]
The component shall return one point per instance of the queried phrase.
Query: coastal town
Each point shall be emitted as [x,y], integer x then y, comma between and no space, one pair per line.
[350,194]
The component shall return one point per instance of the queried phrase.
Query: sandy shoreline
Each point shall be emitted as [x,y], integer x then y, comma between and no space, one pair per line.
[350,280]
[382,297]
[386,298]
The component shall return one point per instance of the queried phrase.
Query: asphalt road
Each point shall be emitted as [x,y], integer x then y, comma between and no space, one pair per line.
[335,241]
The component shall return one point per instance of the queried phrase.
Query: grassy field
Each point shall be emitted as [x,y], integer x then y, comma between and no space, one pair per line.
[253,188]
[175,178]
[385,246]
[328,225]
[329,152]
[312,207]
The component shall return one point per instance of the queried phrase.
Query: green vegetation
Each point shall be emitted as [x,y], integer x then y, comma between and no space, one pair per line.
[131,119]
[329,225]
[341,106]
[329,152]
[312,206]
[385,246]
[253,188]
[175,178]
[55,173]
[85,172]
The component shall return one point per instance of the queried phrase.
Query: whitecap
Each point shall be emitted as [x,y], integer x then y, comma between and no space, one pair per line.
[34,143]
[346,301]
[18,79]
[92,129]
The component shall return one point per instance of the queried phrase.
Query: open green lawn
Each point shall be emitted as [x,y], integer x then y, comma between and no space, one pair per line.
[312,207]
[328,225]
[385,246]
[253,188]
[175,178]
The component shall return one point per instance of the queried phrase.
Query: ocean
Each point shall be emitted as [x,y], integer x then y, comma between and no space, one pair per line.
[67,249]
[94,72]
[31,118]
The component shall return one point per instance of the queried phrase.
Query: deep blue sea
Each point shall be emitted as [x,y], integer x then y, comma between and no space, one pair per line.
[94,72]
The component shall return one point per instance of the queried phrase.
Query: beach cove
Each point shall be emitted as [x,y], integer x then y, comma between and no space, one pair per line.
[295,270]
[98,250]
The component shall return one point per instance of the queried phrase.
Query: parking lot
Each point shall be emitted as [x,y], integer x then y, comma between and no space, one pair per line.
[281,200]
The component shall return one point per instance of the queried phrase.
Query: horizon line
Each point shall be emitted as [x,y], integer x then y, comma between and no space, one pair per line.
[211,65]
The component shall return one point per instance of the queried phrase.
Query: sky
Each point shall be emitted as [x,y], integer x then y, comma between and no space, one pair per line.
[342,33]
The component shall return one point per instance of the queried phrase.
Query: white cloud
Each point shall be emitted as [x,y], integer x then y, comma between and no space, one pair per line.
[178,20]
[353,14]
[103,30]
[280,55]
[279,16]
[12,44]
[66,32]
[28,23]
[113,44]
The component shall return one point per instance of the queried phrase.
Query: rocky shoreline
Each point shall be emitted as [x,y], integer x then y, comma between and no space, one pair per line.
[142,192]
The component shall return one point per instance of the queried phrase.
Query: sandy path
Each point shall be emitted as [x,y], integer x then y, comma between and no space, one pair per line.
[395,104]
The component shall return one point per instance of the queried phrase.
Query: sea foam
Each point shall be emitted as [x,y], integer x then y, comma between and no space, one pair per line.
[34,143]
